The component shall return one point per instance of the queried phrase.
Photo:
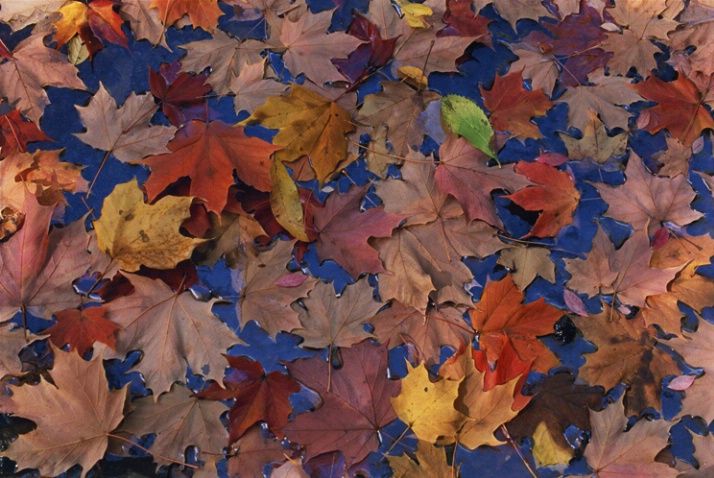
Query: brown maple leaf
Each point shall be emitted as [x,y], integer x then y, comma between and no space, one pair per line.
[74,416]
[625,272]
[308,49]
[463,172]
[265,294]
[179,419]
[37,270]
[172,329]
[344,231]
[330,321]
[648,199]
[628,353]
[500,316]
[32,67]
[397,106]
[697,350]
[348,419]
[124,132]
[14,339]
[612,451]
[427,331]
[252,452]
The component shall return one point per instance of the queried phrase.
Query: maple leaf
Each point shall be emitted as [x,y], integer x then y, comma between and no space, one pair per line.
[258,396]
[697,351]
[343,231]
[134,233]
[251,86]
[21,14]
[37,270]
[555,195]
[703,455]
[428,407]
[225,55]
[369,56]
[124,132]
[558,403]
[427,331]
[13,339]
[74,416]
[80,329]
[182,96]
[172,329]
[514,10]
[424,261]
[398,106]
[507,367]
[680,108]
[605,98]
[310,125]
[15,133]
[674,159]
[431,462]
[614,452]
[463,173]
[596,144]
[625,272]
[546,451]
[32,67]
[330,321]
[179,419]
[94,23]
[486,407]
[512,107]
[525,263]
[264,298]
[501,316]
[698,23]
[627,352]
[308,49]
[144,20]
[349,418]
[648,199]
[252,452]
[208,153]
[202,13]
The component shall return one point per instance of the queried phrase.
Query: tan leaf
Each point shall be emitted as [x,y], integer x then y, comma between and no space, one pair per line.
[13,339]
[525,263]
[251,87]
[33,67]
[73,416]
[675,158]
[263,299]
[698,351]
[612,452]
[330,321]
[124,131]
[596,144]
[144,21]
[431,462]
[172,329]
[27,12]
[179,420]
[252,452]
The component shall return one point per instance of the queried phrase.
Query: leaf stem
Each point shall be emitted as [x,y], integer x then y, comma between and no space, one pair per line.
[187,465]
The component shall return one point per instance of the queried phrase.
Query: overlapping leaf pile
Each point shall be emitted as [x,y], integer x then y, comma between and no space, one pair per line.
[441,182]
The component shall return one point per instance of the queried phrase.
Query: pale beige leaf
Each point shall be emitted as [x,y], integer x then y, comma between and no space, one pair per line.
[251,88]
[125,131]
[73,416]
[144,21]
[330,321]
[179,420]
[173,330]
[525,263]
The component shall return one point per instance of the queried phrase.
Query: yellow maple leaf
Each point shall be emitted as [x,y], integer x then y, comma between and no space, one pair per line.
[134,233]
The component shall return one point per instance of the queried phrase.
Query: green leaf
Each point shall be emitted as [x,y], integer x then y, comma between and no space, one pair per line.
[464,117]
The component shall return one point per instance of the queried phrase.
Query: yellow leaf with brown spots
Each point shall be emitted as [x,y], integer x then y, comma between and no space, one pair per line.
[134,233]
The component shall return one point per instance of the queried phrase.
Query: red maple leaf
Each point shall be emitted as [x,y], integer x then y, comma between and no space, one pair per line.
[259,396]
[208,153]
[15,133]
[81,328]
[182,96]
